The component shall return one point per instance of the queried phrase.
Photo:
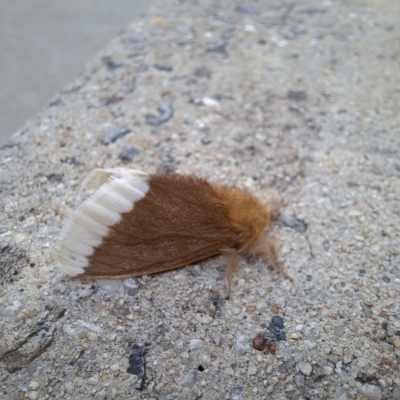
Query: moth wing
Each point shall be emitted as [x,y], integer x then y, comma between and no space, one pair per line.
[178,222]
[118,190]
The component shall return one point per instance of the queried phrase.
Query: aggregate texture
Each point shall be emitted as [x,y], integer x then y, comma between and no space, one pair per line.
[297,97]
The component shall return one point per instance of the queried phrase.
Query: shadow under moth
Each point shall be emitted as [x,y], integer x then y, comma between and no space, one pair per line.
[137,224]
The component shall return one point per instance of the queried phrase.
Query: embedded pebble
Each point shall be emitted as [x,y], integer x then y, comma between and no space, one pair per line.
[111,286]
[236,393]
[305,368]
[91,326]
[34,395]
[120,311]
[32,368]
[275,309]
[396,392]
[259,342]
[114,134]
[189,379]
[94,380]
[128,154]
[242,344]
[252,370]
[309,345]
[97,307]
[277,327]
[371,392]
[294,223]
[217,48]
[246,9]
[338,330]
[116,111]
[136,363]
[195,344]
[163,67]
[367,310]
[295,32]
[131,286]
[165,112]
[128,87]
[34,385]
[340,393]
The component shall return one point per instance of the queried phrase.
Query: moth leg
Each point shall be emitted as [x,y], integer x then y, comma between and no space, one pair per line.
[266,248]
[230,269]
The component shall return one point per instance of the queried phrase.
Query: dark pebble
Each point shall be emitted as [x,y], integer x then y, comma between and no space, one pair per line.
[340,36]
[326,245]
[296,95]
[142,68]
[294,223]
[228,33]
[295,32]
[386,279]
[111,64]
[115,111]
[362,271]
[70,161]
[166,168]
[219,48]
[165,114]
[163,67]
[259,342]
[120,311]
[225,18]
[277,327]
[158,32]
[137,365]
[167,158]
[138,38]
[246,9]
[114,134]
[203,72]
[313,11]
[205,141]
[54,177]
[128,87]
[56,102]
[128,154]
[106,101]
[366,310]
[237,393]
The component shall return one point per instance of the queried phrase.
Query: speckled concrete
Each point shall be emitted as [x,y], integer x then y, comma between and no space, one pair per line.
[296,97]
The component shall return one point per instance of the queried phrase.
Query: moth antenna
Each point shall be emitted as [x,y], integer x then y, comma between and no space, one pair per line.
[266,248]
[230,269]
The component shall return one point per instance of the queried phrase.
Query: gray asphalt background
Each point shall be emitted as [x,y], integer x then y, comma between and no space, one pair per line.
[44,44]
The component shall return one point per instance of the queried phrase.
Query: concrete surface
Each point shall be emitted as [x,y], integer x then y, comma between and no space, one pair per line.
[297,97]
[45,44]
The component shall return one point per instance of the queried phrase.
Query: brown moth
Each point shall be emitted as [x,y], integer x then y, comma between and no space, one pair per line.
[137,224]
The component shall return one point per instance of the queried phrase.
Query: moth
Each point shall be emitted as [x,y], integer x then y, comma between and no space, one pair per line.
[137,224]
